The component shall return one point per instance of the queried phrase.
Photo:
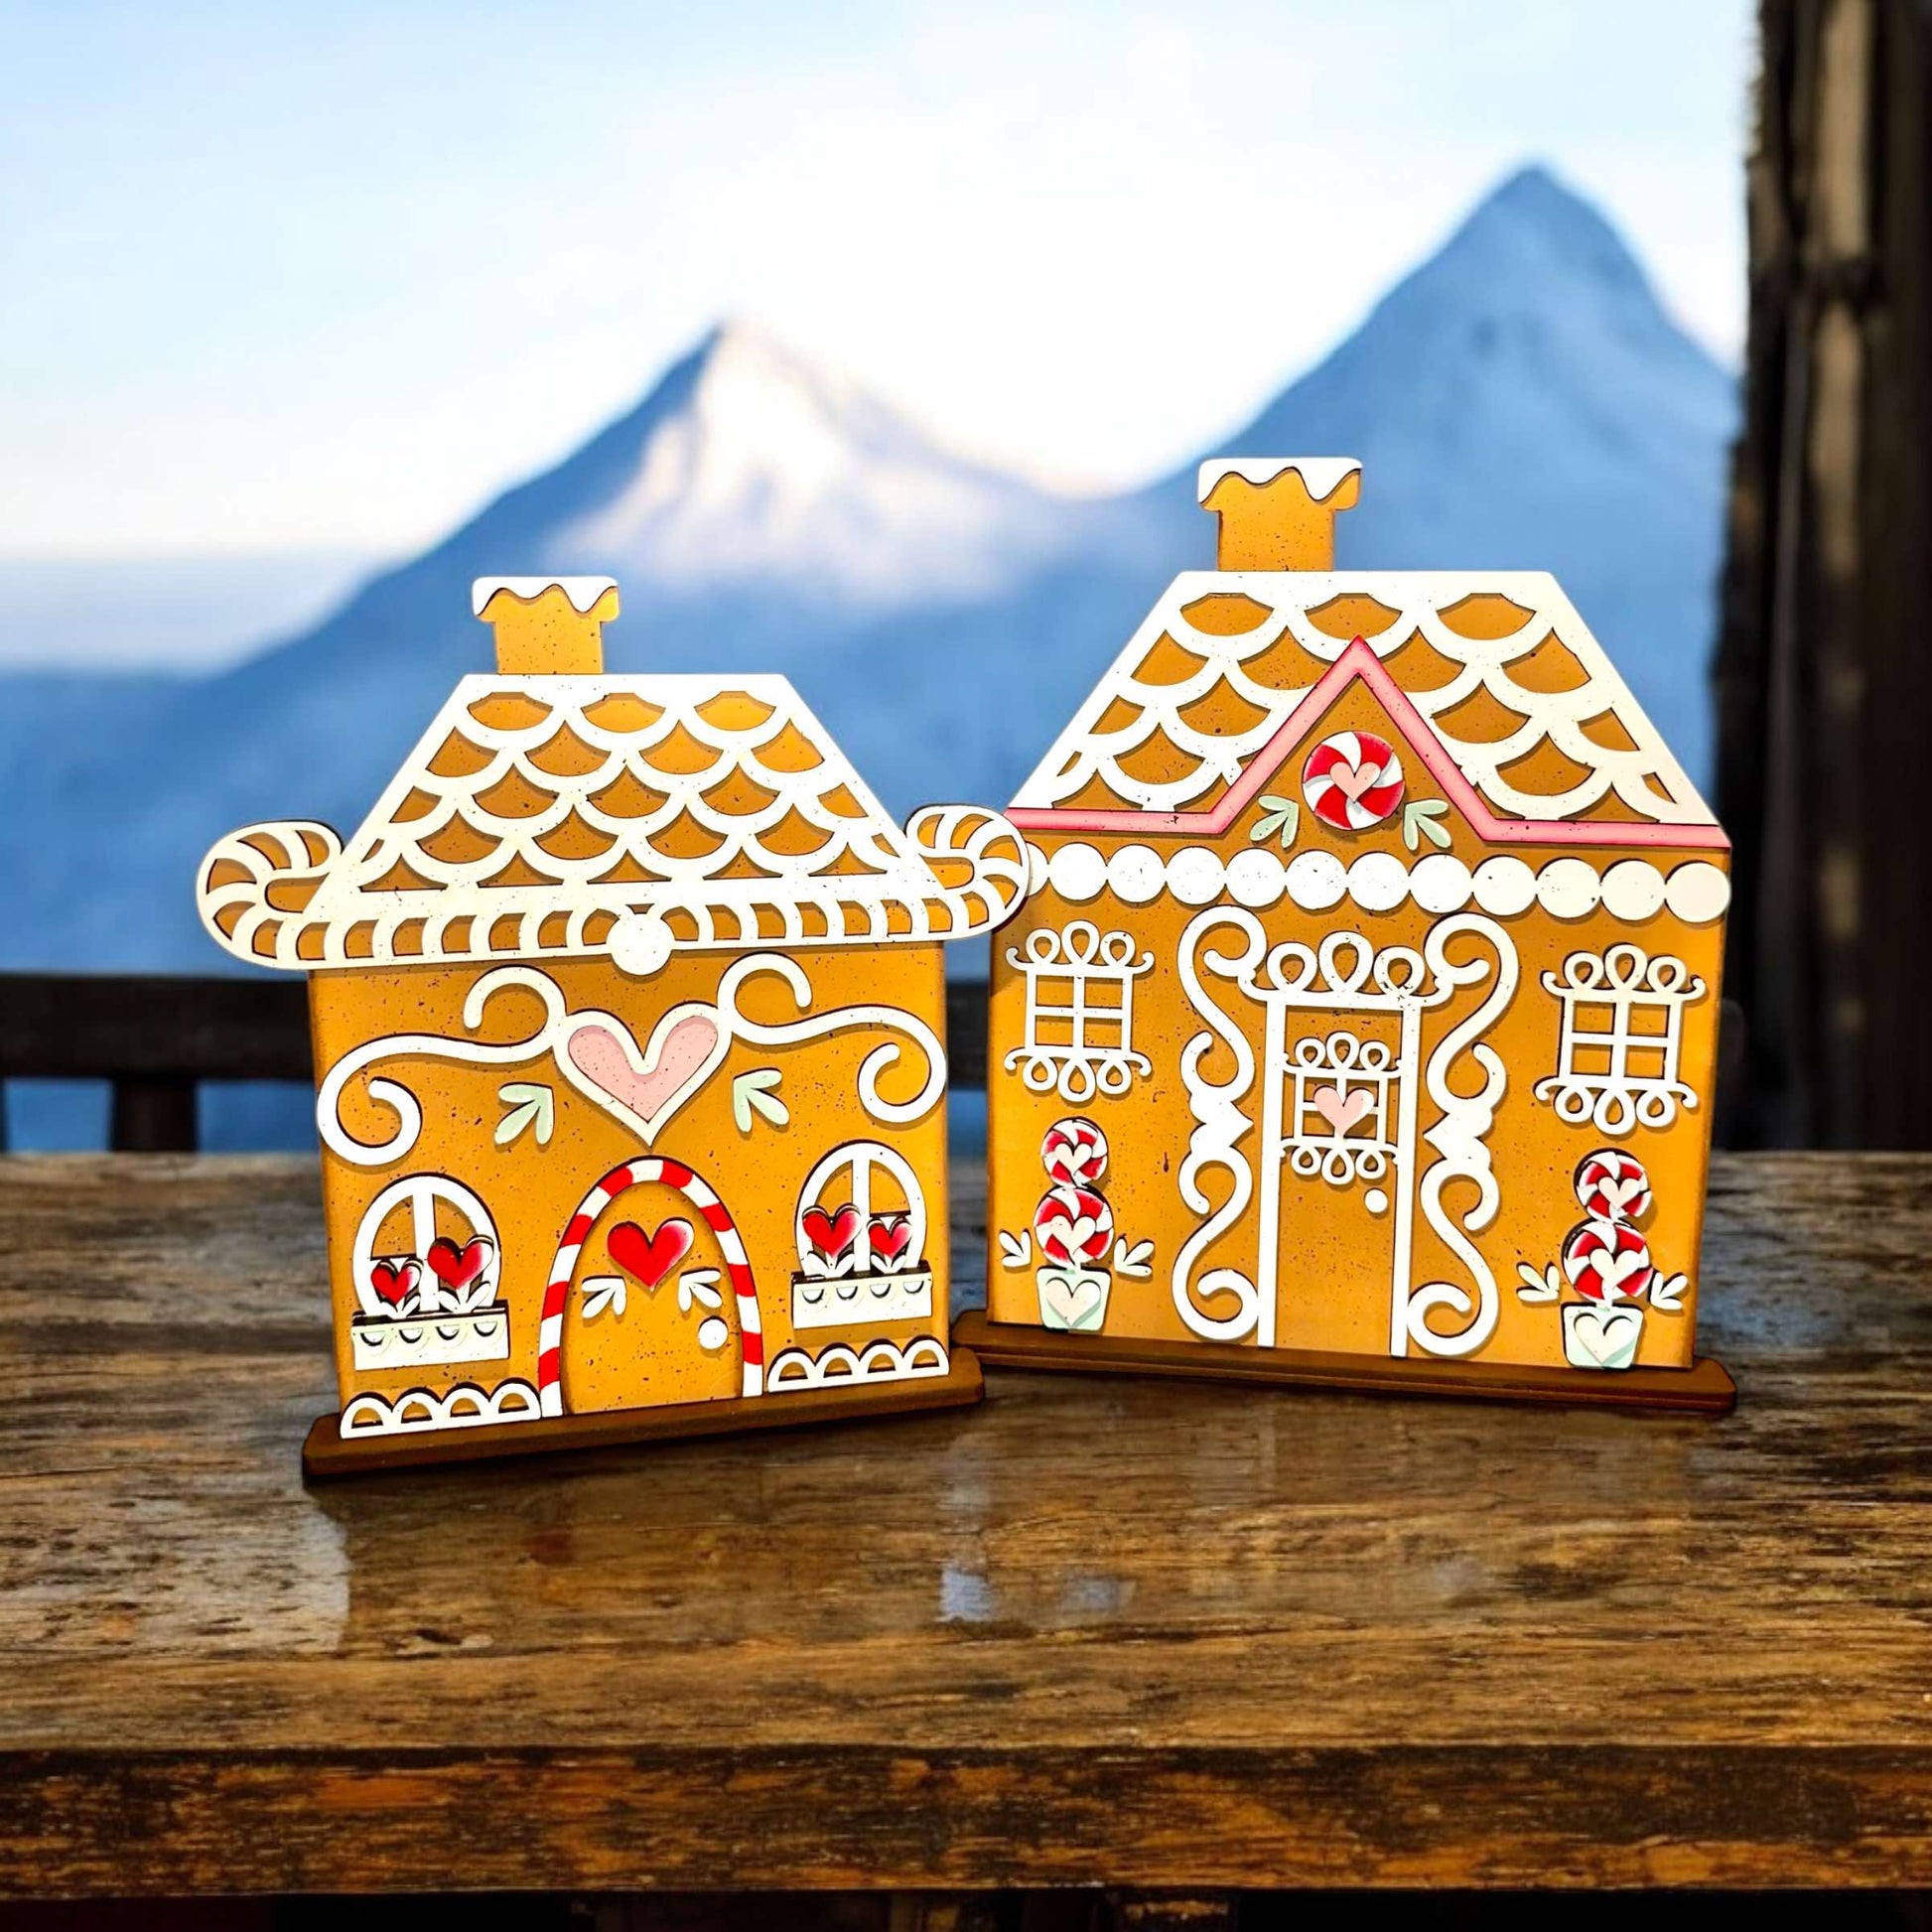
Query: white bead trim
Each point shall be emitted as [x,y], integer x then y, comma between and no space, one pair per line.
[1631,889]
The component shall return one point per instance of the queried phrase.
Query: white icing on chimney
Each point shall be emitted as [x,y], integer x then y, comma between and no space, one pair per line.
[1323,474]
[583,591]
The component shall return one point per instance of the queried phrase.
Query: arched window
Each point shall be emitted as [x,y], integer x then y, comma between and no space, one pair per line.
[426,1263]
[861,1230]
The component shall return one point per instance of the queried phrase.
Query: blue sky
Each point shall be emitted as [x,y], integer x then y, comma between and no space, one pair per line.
[326,277]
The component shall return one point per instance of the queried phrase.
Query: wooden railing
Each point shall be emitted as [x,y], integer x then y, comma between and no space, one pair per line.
[156,1037]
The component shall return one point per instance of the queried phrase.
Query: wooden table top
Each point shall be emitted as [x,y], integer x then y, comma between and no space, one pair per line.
[1099,1630]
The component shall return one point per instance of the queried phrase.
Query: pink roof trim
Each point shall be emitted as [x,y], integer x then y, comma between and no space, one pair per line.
[1358,661]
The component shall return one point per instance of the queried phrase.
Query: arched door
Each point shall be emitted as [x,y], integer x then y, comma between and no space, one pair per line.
[651,1299]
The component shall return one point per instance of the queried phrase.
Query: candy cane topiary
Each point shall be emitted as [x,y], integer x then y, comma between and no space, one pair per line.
[639,1173]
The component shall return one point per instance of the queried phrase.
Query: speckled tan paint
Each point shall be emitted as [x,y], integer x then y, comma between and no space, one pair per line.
[652,1354]
[1333,1286]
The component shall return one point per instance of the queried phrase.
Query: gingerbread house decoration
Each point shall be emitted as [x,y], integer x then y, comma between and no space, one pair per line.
[1363,1004]
[627,1006]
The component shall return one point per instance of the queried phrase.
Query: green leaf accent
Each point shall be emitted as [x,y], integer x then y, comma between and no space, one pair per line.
[529,1106]
[1281,815]
[1418,817]
[752,1092]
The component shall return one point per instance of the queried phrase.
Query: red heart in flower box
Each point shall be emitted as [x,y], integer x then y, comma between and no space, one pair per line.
[395,1281]
[889,1236]
[831,1234]
[456,1268]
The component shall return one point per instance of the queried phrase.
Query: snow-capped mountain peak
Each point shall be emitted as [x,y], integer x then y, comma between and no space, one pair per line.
[1520,400]
[1530,222]
[748,466]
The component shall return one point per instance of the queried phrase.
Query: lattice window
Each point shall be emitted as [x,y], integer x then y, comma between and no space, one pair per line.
[1079,1011]
[1622,1038]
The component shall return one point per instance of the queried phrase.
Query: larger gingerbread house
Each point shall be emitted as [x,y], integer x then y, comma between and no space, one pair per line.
[1363,1005]
[627,1007]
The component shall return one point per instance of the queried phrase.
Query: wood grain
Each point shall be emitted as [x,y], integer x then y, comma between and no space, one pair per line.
[1147,1634]
[1704,1389]
[327,1455]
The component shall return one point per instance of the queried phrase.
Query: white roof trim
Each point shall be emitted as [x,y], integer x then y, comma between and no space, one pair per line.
[1085,753]
[1323,474]
[583,591]
[569,907]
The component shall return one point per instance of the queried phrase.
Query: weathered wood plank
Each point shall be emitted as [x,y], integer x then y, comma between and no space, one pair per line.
[1704,1389]
[108,1025]
[1101,1631]
[97,1026]
[812,1818]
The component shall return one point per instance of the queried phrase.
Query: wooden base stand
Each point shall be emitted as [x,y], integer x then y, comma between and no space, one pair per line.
[1704,1389]
[327,1455]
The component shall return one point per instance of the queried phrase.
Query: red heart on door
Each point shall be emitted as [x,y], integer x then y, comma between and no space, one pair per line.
[831,1234]
[455,1267]
[888,1236]
[395,1280]
[648,1258]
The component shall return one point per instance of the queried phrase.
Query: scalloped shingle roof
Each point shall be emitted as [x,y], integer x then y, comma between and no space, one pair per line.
[571,815]
[1498,668]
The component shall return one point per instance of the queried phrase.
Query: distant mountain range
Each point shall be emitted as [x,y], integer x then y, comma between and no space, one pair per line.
[1521,400]
[191,613]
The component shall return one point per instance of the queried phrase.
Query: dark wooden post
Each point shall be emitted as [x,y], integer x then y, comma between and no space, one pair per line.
[154,1038]
[153,1116]
[1825,667]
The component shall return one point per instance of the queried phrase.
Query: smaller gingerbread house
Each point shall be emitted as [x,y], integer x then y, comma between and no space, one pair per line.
[628,1010]
[1363,1004]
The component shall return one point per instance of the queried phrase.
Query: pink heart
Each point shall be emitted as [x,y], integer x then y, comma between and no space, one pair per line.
[604,1054]
[1342,1110]
[1351,781]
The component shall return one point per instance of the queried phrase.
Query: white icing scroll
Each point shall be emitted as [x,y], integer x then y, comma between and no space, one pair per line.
[623,1088]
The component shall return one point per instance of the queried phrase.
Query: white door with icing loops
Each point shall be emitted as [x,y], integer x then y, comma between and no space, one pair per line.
[1320,1134]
